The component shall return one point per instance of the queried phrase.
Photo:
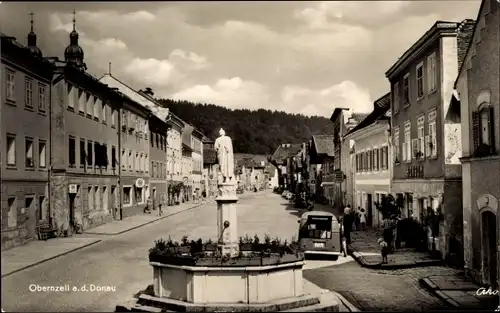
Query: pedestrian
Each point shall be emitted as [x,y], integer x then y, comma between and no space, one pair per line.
[147,208]
[347,223]
[357,218]
[384,250]
[362,219]
[343,241]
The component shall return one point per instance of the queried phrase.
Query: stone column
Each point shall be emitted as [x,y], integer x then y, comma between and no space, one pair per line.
[227,220]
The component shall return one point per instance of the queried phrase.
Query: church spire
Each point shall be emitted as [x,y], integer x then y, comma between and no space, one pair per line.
[74,53]
[32,39]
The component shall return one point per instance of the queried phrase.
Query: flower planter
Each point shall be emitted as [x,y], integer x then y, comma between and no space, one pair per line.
[246,247]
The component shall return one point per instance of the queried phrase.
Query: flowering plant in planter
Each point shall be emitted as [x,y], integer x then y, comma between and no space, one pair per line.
[252,252]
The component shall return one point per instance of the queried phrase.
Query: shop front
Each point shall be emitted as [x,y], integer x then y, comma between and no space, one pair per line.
[418,198]
[135,192]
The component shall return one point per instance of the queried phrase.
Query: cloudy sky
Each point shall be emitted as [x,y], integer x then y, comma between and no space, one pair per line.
[298,57]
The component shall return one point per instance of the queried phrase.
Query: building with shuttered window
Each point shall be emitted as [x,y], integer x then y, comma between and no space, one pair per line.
[425,129]
[478,96]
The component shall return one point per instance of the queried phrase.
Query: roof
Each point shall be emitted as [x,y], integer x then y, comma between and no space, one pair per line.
[318,213]
[433,33]
[286,150]
[336,113]
[136,96]
[186,135]
[323,144]
[462,65]
[359,116]
[378,113]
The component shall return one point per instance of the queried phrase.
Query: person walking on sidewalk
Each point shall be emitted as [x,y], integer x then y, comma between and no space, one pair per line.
[343,241]
[347,223]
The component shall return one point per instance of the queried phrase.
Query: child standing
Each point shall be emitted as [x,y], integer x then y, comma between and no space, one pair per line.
[384,249]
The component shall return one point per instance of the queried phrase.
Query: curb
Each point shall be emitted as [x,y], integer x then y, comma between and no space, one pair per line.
[52,257]
[379,266]
[345,302]
[147,223]
[428,285]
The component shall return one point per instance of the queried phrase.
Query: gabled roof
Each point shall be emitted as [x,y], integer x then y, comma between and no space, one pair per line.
[323,144]
[286,150]
[336,113]
[381,107]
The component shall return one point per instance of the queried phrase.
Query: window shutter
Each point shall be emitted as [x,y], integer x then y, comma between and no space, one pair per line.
[492,130]
[404,151]
[475,130]
[427,146]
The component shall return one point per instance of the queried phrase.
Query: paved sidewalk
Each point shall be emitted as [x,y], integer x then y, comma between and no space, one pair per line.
[139,220]
[36,252]
[366,251]
[460,292]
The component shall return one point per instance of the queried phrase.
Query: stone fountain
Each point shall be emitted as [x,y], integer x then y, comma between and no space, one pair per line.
[233,281]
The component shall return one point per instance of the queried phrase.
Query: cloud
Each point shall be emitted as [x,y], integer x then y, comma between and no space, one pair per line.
[234,93]
[322,101]
[152,71]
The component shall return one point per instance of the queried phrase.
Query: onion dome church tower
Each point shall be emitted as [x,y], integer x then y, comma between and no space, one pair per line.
[73,54]
[32,40]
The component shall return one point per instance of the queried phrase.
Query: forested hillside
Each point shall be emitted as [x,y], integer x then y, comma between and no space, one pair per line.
[256,132]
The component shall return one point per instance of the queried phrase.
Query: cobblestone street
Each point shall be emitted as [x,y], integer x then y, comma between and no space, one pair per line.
[380,290]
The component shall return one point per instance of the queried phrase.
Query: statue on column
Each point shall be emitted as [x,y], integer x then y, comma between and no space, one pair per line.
[225,157]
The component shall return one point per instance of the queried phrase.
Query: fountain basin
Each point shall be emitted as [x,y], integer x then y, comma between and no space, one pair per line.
[228,284]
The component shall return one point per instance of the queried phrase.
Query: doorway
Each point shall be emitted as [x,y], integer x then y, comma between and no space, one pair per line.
[29,206]
[369,208]
[114,202]
[489,249]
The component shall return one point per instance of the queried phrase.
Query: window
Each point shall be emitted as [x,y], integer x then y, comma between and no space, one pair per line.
[113,117]
[407,143]
[406,90]
[141,163]
[432,133]
[127,195]
[485,122]
[28,85]
[152,168]
[369,160]
[124,159]
[72,92]
[12,216]
[420,80]
[395,146]
[90,154]
[11,150]
[42,98]
[130,160]
[377,160]
[90,198]
[431,73]
[97,108]
[113,157]
[82,97]
[90,104]
[137,162]
[97,198]
[83,155]
[42,208]
[103,111]
[30,162]
[414,148]
[42,153]
[421,138]
[138,195]
[10,79]
[71,151]
[146,161]
[385,157]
